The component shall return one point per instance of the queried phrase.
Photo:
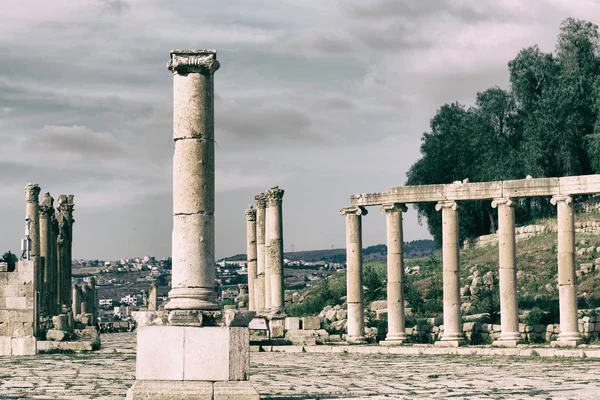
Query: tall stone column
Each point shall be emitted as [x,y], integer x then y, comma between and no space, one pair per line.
[193,285]
[54,266]
[76,300]
[251,251]
[153,297]
[65,221]
[261,206]
[354,286]
[395,274]
[507,271]
[274,243]
[453,335]
[569,332]
[194,352]
[32,211]
[46,213]
[69,250]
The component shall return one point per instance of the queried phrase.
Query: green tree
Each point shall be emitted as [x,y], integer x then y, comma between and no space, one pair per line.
[545,125]
[10,259]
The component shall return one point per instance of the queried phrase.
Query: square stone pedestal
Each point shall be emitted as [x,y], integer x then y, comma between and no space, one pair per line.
[277,326]
[565,343]
[450,343]
[390,343]
[182,353]
[209,359]
[506,343]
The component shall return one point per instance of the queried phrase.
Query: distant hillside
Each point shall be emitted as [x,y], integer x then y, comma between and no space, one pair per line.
[414,249]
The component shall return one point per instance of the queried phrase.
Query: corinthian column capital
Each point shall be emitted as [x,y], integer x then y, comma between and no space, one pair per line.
[185,61]
[274,196]
[32,192]
[251,213]
[261,200]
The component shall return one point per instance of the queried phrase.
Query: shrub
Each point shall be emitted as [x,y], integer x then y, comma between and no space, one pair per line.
[375,287]
[313,304]
[380,324]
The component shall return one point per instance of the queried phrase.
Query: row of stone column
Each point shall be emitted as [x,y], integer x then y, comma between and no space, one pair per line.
[264,227]
[51,232]
[85,302]
[453,335]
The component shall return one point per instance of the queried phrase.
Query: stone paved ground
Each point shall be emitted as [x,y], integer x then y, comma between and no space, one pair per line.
[109,373]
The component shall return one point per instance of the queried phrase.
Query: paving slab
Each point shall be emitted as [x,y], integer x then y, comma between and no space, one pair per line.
[108,374]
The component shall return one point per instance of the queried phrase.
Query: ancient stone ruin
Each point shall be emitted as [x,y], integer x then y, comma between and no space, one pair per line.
[264,227]
[447,197]
[39,309]
[191,349]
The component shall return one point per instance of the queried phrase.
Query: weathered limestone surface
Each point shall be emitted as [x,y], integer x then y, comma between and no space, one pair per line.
[395,273]
[32,212]
[190,343]
[77,294]
[253,298]
[193,180]
[261,204]
[46,213]
[153,297]
[65,241]
[585,184]
[274,248]
[451,273]
[17,301]
[356,324]
[399,372]
[182,353]
[567,289]
[507,257]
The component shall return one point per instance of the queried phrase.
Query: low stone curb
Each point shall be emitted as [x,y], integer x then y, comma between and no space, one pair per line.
[522,350]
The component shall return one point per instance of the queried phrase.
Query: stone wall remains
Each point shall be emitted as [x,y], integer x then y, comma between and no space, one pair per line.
[17,312]
[528,231]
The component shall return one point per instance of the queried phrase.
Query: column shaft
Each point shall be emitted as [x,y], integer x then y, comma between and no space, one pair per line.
[567,289]
[76,301]
[274,241]
[354,286]
[395,273]
[251,252]
[32,211]
[46,210]
[193,281]
[507,270]
[54,266]
[451,272]
[261,299]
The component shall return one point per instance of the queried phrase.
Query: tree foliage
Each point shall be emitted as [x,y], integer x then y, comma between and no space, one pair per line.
[545,125]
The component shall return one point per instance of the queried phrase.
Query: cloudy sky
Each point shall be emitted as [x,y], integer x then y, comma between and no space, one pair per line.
[323,98]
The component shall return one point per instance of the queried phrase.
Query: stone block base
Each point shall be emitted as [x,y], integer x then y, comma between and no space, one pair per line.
[391,342]
[356,339]
[276,327]
[450,343]
[180,353]
[192,390]
[565,343]
[18,346]
[506,343]
[46,346]
[235,391]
